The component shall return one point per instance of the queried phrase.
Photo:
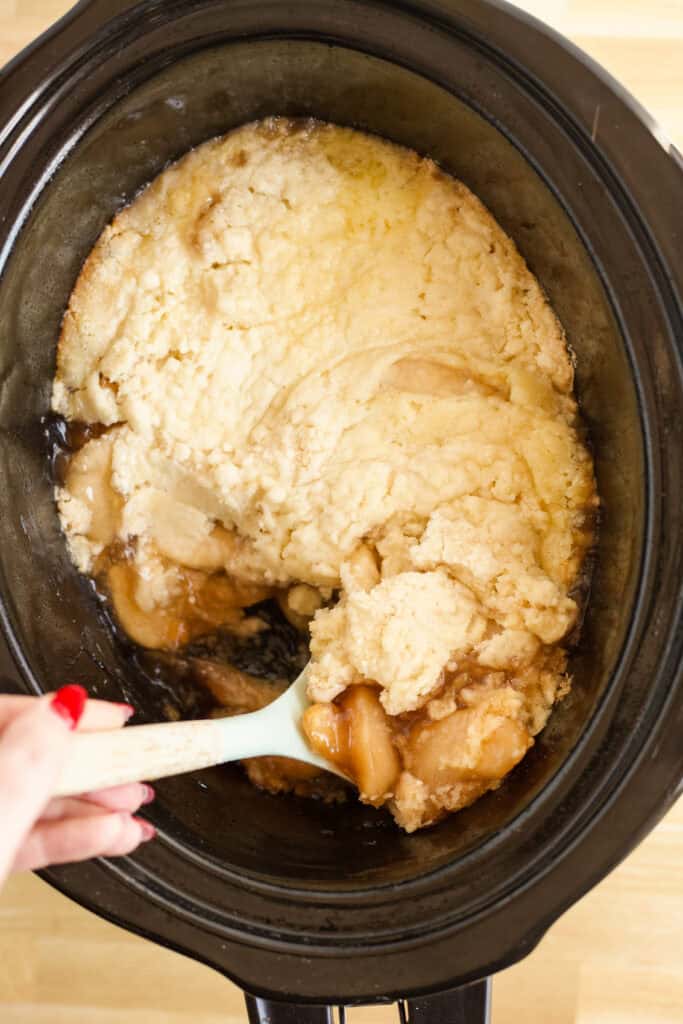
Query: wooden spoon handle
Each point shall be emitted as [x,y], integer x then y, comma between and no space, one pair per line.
[141,752]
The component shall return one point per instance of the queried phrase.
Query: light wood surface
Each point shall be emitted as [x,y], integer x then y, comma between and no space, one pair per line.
[615,958]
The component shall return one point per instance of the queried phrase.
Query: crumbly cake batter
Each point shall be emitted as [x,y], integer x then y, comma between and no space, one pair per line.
[320,371]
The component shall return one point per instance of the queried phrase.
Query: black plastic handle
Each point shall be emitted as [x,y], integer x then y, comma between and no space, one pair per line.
[267,1011]
[470,1004]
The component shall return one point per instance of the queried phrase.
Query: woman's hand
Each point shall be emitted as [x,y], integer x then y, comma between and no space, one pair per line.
[35,735]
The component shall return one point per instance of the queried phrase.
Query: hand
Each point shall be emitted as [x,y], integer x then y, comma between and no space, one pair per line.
[35,735]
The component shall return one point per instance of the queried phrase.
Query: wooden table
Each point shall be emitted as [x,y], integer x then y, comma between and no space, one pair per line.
[615,958]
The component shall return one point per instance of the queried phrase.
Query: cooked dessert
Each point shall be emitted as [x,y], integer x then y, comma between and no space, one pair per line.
[313,369]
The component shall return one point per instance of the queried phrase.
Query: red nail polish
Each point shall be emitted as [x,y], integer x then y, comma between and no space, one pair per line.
[148,831]
[69,703]
[149,794]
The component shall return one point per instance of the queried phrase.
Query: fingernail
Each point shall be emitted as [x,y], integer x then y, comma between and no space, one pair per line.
[127,709]
[69,703]
[148,831]
[149,794]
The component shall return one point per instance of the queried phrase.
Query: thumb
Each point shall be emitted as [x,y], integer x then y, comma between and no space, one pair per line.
[33,748]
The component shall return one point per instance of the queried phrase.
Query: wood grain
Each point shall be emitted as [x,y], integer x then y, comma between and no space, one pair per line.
[615,958]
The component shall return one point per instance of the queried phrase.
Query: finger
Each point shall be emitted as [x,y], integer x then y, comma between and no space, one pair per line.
[69,807]
[61,842]
[118,798]
[122,798]
[33,749]
[98,714]
[104,714]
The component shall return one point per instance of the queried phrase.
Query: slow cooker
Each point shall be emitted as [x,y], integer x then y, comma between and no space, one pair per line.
[304,906]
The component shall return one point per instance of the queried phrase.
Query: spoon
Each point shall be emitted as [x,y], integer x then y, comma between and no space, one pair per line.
[148,752]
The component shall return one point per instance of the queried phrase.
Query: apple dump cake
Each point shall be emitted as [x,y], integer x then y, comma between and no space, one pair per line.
[306,366]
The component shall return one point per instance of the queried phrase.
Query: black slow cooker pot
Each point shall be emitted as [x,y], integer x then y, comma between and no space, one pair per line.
[296,902]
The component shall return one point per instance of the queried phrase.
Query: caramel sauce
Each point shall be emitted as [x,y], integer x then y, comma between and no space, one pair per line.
[64,439]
